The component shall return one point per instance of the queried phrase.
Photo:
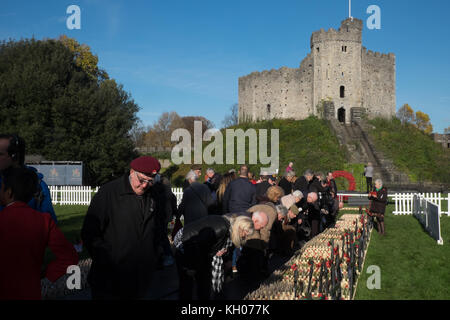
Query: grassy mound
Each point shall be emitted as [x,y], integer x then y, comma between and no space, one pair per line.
[411,150]
[309,143]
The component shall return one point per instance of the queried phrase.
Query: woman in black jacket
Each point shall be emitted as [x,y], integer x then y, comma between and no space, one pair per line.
[378,204]
[200,247]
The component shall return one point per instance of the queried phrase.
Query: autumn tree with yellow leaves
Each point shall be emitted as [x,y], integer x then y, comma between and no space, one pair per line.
[84,58]
[423,122]
[419,119]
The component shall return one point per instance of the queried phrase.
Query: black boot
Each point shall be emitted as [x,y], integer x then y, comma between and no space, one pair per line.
[378,227]
[382,228]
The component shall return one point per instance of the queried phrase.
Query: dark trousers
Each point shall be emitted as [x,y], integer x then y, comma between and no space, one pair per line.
[194,278]
[369,184]
[315,225]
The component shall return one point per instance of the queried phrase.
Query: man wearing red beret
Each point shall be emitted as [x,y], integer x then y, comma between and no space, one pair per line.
[121,231]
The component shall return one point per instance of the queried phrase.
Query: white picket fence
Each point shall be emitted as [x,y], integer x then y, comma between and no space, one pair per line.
[178,192]
[72,194]
[404,202]
[83,194]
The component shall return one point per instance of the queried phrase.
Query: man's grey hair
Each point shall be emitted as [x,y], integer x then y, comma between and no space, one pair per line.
[290,174]
[308,172]
[313,195]
[191,175]
[282,210]
[261,216]
[209,170]
[379,181]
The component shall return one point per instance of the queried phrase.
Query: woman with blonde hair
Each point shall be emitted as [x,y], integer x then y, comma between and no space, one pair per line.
[274,194]
[200,247]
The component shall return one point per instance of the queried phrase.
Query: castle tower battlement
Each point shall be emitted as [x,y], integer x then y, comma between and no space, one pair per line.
[350,31]
[338,68]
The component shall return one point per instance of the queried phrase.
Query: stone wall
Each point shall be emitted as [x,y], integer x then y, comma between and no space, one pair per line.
[281,93]
[378,82]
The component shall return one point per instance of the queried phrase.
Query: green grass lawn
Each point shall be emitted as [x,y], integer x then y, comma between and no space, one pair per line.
[412,264]
[70,220]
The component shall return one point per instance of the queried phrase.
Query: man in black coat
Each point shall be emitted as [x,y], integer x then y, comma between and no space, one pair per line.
[197,201]
[286,182]
[197,168]
[315,185]
[313,213]
[302,183]
[332,188]
[240,194]
[261,188]
[120,232]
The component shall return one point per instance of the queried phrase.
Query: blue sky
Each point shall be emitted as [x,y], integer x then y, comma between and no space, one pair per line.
[187,56]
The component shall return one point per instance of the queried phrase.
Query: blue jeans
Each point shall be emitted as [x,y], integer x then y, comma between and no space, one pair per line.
[236,255]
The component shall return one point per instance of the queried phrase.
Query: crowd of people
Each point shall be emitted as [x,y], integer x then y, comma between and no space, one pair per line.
[285,213]
[226,223]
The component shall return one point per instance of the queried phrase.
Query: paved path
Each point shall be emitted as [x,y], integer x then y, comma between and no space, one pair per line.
[165,284]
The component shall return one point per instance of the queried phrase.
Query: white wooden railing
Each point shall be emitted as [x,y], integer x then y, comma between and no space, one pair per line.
[404,202]
[82,195]
[72,194]
[178,192]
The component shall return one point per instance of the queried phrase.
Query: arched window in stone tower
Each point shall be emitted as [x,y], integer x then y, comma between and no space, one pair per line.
[268,108]
[342,92]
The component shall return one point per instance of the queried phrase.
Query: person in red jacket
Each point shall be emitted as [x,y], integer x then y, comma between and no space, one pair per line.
[24,235]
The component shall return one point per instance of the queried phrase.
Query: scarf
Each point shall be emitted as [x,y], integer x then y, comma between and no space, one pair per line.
[217,272]
[218,277]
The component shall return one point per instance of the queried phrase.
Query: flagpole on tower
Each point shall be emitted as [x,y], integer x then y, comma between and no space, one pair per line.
[350,9]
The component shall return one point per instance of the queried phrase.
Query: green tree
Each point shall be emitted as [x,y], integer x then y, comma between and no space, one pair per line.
[61,111]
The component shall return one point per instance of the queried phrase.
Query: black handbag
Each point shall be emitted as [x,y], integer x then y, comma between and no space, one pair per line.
[305,228]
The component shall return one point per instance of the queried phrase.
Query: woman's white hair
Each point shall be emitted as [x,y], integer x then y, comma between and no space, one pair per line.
[289,174]
[297,194]
[379,181]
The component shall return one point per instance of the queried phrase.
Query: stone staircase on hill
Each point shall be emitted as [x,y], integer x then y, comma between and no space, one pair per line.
[362,150]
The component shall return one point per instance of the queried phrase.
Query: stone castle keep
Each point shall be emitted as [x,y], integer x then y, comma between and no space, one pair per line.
[338,70]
